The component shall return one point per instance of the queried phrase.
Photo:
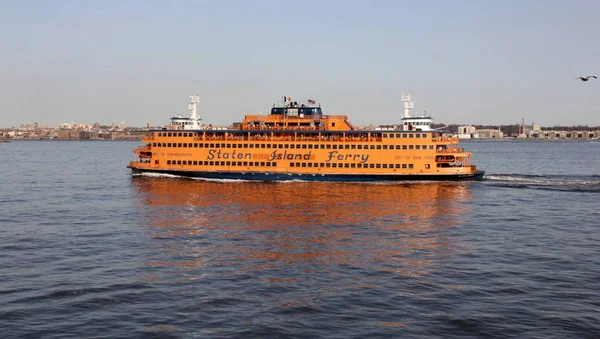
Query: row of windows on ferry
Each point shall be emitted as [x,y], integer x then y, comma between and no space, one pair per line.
[292,146]
[233,134]
[292,164]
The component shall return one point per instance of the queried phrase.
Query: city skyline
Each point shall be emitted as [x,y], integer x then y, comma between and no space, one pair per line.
[463,62]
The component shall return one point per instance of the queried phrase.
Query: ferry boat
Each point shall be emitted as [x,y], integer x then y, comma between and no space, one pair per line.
[298,142]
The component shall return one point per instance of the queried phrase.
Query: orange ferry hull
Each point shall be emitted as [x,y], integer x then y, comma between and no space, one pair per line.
[261,176]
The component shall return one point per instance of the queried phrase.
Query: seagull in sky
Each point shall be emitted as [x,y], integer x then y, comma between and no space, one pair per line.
[586,78]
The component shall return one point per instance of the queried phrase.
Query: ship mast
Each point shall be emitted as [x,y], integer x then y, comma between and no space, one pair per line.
[408,105]
[194,99]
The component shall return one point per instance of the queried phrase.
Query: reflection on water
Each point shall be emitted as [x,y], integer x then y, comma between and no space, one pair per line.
[298,233]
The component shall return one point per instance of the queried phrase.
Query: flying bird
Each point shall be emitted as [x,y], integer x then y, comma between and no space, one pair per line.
[586,78]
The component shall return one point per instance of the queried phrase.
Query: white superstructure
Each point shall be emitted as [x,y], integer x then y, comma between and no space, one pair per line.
[193,121]
[417,122]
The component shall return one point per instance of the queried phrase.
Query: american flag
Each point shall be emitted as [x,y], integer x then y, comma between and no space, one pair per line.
[311,102]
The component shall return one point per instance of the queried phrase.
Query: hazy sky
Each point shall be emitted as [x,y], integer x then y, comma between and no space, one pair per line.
[471,62]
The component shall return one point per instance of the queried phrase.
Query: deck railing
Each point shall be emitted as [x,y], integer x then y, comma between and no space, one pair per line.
[451,150]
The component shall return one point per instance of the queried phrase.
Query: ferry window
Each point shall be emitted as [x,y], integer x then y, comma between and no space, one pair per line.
[378,146]
[333,124]
[411,146]
[404,135]
[346,165]
[353,147]
[274,164]
[322,146]
[195,145]
[404,147]
[327,165]
[398,146]
[159,134]
[304,146]
[286,146]
[347,147]
[297,164]
[178,162]
[280,145]
[262,145]
[310,146]
[385,135]
[239,163]
[322,164]
[334,146]
[417,135]
[163,144]
[298,146]
[424,135]
[291,164]
[418,147]
[424,147]
[403,165]
[398,135]
[371,165]
[352,165]
[385,146]
[292,146]
[328,146]
[372,147]
[168,162]
[228,163]
[430,147]
[359,165]
[378,166]
[310,164]
[169,134]
[205,163]
[179,134]
[359,146]
[397,166]
[334,165]
[303,164]
[384,165]
[411,135]
[211,163]
[228,145]
[190,145]
[246,146]
[195,162]
[262,163]
[185,144]
[427,166]
[186,163]
[185,134]
[245,163]
[239,146]
[410,166]
[251,145]
[391,165]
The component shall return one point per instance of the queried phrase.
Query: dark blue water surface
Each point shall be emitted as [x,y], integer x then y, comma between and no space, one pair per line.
[87,250]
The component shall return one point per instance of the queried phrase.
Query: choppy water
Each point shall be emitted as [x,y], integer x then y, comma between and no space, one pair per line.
[87,250]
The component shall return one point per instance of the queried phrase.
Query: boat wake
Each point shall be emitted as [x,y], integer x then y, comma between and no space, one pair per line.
[588,183]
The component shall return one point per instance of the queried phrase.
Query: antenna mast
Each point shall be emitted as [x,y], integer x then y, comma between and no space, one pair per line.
[194,99]
[408,105]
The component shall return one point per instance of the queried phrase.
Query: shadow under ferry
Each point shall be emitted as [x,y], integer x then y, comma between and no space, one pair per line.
[256,226]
